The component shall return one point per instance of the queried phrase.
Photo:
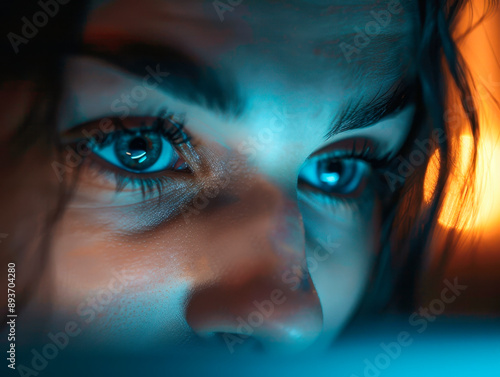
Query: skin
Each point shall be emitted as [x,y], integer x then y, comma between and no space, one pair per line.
[189,276]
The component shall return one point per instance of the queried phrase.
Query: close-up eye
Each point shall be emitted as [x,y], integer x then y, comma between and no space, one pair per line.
[138,145]
[341,176]
[143,153]
[140,151]
[259,188]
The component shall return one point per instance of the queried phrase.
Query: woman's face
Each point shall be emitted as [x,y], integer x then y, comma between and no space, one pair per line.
[268,221]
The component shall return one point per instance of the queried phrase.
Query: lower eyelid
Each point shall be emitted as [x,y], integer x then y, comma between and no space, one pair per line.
[175,197]
[96,190]
[334,197]
[336,204]
[109,175]
[106,175]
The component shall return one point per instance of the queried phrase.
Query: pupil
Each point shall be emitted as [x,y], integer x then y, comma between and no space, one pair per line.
[138,144]
[138,152]
[334,167]
[330,172]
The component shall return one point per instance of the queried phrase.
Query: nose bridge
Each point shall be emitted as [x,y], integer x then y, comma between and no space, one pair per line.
[283,229]
[249,297]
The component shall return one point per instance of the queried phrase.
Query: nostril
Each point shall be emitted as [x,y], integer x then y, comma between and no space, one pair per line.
[258,315]
[235,342]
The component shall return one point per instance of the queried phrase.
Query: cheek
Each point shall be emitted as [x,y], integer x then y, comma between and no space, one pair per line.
[341,250]
[158,262]
[119,285]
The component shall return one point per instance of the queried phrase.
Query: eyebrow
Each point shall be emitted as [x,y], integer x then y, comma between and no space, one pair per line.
[192,80]
[188,78]
[361,114]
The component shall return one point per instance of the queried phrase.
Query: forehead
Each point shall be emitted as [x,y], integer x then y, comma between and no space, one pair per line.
[296,41]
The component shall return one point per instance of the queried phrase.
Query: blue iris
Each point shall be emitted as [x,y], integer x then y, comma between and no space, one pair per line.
[333,175]
[139,152]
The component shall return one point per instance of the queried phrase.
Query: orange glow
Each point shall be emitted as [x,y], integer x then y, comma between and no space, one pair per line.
[481,50]
[484,210]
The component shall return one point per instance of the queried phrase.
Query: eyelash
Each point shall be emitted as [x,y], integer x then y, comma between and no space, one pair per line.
[174,132]
[149,185]
[367,153]
[166,126]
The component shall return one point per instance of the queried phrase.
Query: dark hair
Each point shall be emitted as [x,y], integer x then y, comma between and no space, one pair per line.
[410,225]
[408,222]
[39,62]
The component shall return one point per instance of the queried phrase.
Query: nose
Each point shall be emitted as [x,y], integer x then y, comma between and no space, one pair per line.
[258,290]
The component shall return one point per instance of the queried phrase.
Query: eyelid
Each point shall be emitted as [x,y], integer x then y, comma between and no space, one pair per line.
[171,128]
[107,167]
[358,115]
[366,148]
[86,131]
[389,134]
[106,126]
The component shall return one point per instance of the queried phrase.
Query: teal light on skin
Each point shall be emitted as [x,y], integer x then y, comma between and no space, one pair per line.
[274,225]
[294,334]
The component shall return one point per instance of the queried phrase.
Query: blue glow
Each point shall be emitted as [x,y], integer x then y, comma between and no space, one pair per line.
[331,178]
[136,154]
[167,159]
